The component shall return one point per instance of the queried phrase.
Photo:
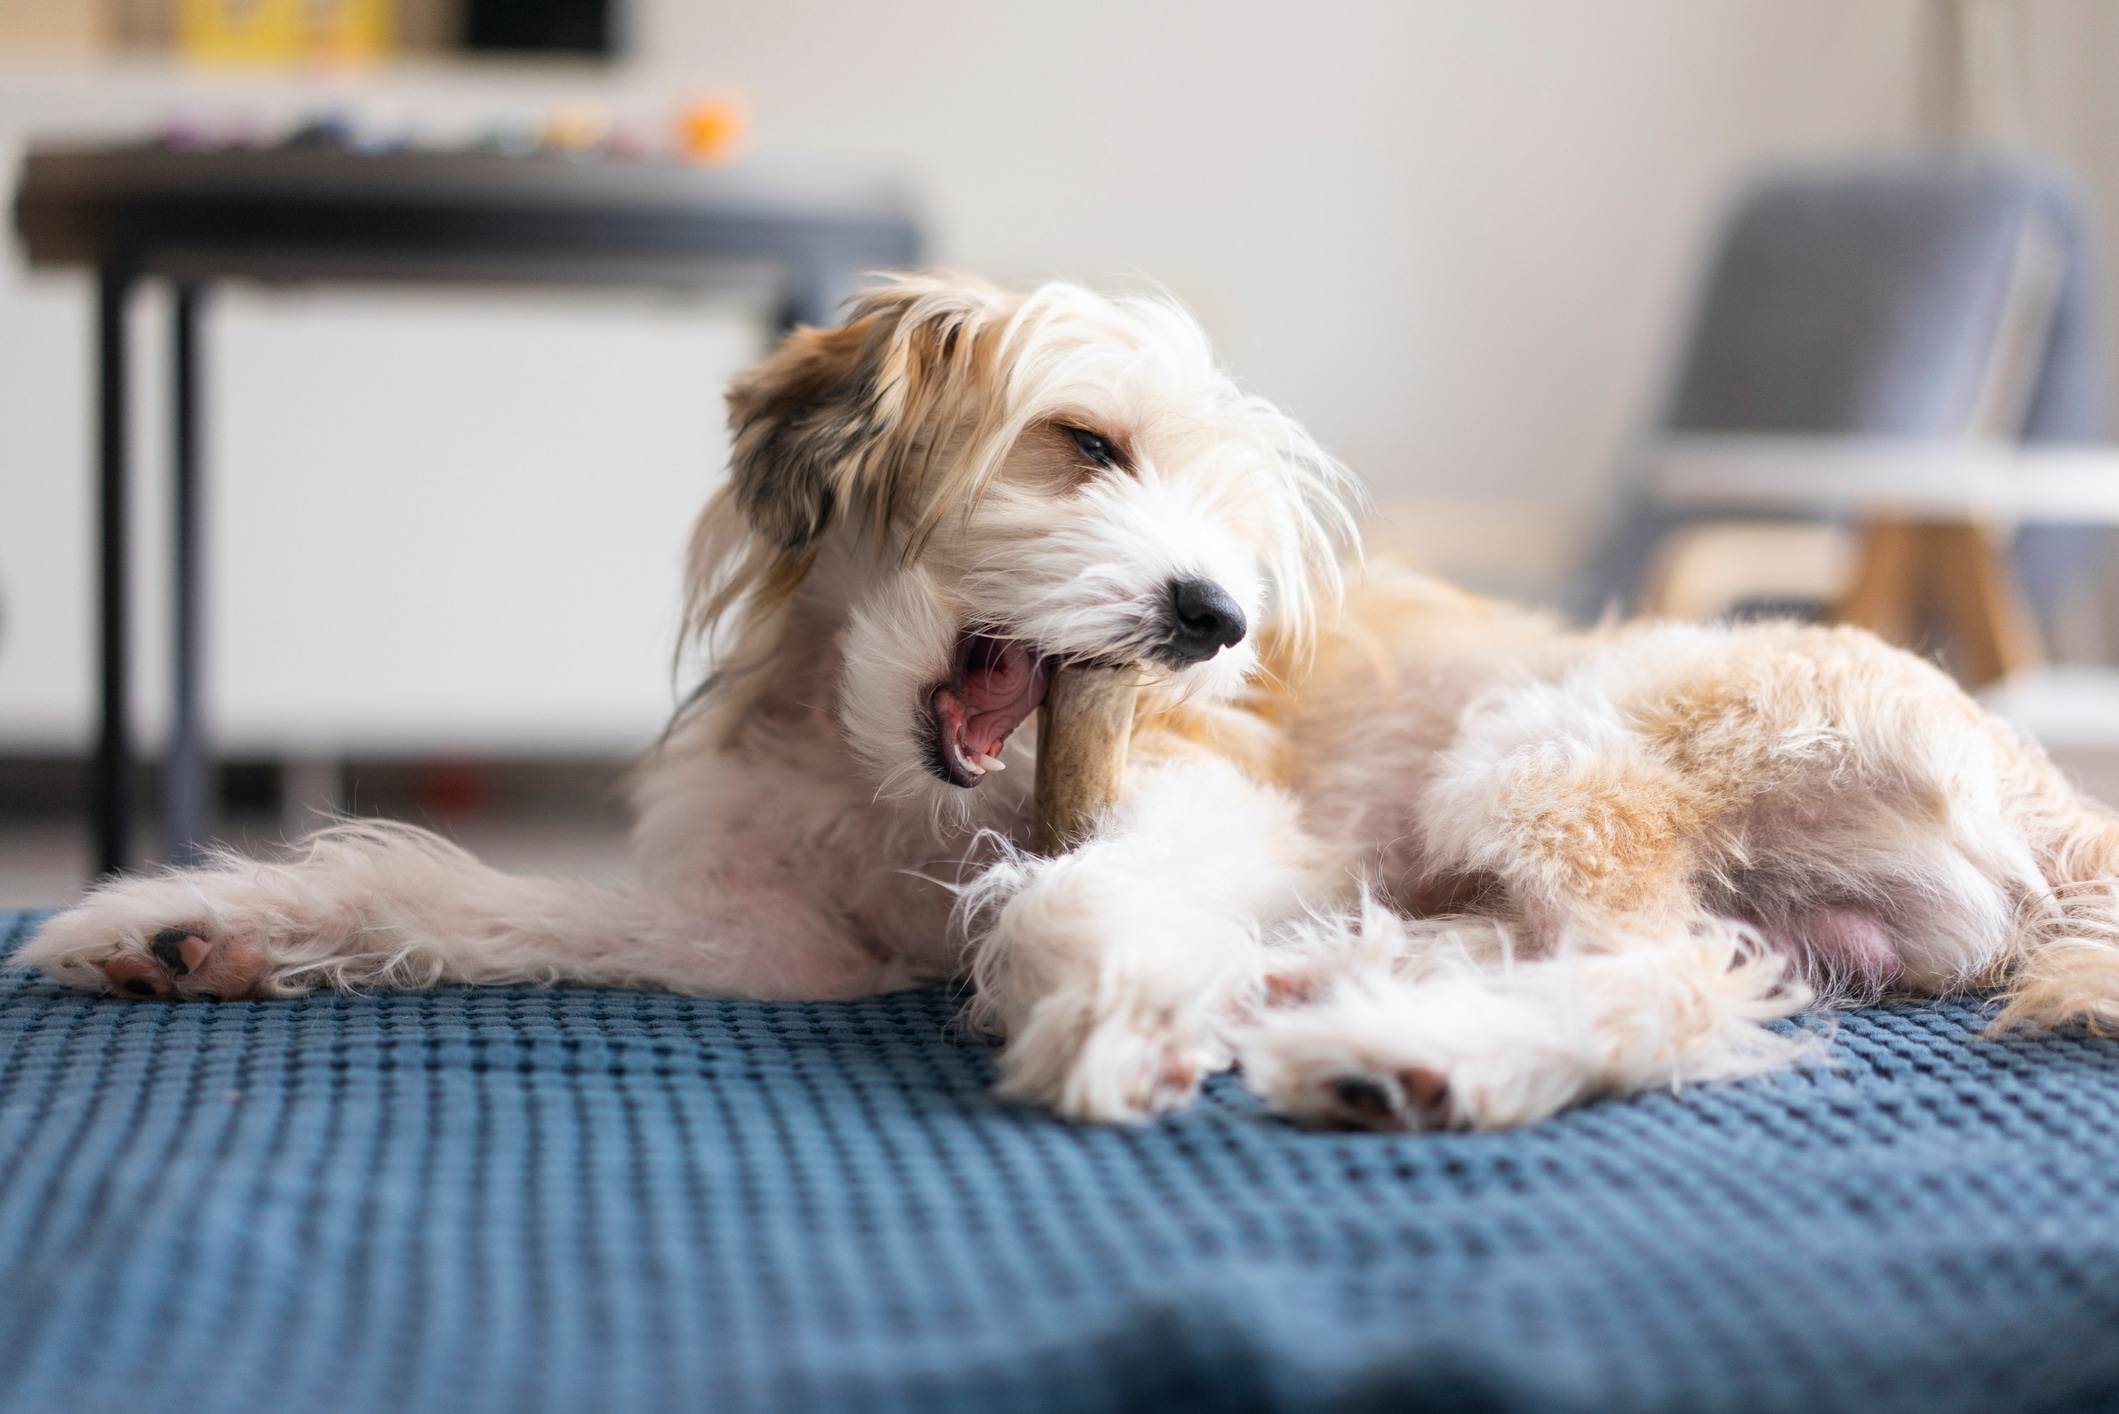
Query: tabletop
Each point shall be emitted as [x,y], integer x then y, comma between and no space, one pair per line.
[295,212]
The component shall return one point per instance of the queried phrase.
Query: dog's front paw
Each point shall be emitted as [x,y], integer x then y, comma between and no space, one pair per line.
[1112,991]
[1413,1098]
[1404,1057]
[142,938]
[1108,1069]
[1326,1083]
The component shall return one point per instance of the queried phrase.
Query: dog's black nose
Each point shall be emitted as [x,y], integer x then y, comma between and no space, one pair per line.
[1203,621]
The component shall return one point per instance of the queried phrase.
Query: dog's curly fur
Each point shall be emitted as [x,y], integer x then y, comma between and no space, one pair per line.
[1411,858]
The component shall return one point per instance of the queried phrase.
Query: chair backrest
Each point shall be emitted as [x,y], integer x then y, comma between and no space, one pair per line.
[1926,297]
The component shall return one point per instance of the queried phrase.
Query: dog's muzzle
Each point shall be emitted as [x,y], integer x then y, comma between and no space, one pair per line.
[1200,620]
[998,682]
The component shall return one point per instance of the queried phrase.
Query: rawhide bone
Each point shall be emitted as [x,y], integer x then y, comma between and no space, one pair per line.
[1082,730]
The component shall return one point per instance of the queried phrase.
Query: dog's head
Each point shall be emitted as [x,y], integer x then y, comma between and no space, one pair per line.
[976,486]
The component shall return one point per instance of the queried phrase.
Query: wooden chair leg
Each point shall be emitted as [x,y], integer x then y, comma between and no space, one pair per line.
[1954,570]
[1886,595]
[1990,625]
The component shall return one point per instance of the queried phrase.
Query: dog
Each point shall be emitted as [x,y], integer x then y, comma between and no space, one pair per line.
[1410,858]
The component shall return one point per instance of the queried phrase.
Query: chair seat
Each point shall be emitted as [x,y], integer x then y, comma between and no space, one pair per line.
[1944,479]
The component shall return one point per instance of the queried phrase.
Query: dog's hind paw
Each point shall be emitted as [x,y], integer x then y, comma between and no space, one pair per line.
[122,944]
[184,961]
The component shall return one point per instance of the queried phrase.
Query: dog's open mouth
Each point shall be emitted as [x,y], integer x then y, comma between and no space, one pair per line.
[998,683]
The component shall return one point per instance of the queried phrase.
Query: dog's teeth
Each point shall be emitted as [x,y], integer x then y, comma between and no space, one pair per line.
[993,763]
[968,764]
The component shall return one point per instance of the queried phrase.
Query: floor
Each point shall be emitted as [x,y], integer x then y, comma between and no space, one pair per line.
[529,818]
[45,863]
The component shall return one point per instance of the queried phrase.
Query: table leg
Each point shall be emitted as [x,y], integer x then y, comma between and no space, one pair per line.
[187,778]
[113,798]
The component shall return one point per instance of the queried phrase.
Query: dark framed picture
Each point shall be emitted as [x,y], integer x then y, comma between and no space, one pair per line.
[540,26]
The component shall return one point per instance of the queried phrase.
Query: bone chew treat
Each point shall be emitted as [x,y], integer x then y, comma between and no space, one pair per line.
[1081,750]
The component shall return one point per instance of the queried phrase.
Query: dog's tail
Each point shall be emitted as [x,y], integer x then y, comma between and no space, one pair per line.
[2066,964]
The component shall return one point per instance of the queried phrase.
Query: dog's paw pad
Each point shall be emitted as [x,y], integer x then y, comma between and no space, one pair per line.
[178,949]
[132,976]
[184,961]
[1413,1098]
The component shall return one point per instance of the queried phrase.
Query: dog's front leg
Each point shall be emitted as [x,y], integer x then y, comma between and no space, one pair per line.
[1112,970]
[374,904]
[1430,1024]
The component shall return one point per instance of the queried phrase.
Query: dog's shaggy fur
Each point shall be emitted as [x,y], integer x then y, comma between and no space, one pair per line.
[1411,858]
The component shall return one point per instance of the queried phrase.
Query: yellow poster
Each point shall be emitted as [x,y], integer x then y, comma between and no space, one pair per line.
[284,31]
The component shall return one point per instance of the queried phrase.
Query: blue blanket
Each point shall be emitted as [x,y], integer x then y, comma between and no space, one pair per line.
[515,1199]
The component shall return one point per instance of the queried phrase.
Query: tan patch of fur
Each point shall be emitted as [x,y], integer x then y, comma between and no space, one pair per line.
[1619,842]
[1248,732]
[1721,725]
[1232,734]
[1394,616]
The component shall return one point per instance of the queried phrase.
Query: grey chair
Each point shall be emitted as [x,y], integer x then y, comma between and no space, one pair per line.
[1884,304]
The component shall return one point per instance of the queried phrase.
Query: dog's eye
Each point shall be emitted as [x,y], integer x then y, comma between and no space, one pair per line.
[1098,451]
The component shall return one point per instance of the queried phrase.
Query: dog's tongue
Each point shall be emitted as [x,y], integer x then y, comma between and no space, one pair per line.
[1001,685]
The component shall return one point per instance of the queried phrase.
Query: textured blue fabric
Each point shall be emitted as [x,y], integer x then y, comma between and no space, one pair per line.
[516,1199]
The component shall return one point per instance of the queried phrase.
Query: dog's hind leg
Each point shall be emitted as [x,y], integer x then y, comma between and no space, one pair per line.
[1113,971]
[373,904]
[1429,1025]
[1602,972]
[2065,965]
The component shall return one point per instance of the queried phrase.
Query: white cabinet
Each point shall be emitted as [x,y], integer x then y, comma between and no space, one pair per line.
[439,520]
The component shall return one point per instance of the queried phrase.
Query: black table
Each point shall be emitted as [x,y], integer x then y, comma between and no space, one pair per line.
[328,213]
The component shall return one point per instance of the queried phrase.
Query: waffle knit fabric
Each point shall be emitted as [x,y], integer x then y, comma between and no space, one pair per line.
[518,1199]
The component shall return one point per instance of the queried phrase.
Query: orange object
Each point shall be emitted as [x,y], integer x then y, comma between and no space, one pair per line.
[713,128]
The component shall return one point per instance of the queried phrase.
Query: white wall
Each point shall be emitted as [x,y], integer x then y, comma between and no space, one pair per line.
[1455,237]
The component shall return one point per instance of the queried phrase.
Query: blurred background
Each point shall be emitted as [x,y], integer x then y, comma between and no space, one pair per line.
[1463,242]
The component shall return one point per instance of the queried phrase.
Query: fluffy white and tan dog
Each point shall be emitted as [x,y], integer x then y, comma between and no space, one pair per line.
[1411,858]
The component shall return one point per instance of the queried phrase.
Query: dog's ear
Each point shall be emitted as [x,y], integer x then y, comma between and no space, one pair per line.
[797,419]
[857,415]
